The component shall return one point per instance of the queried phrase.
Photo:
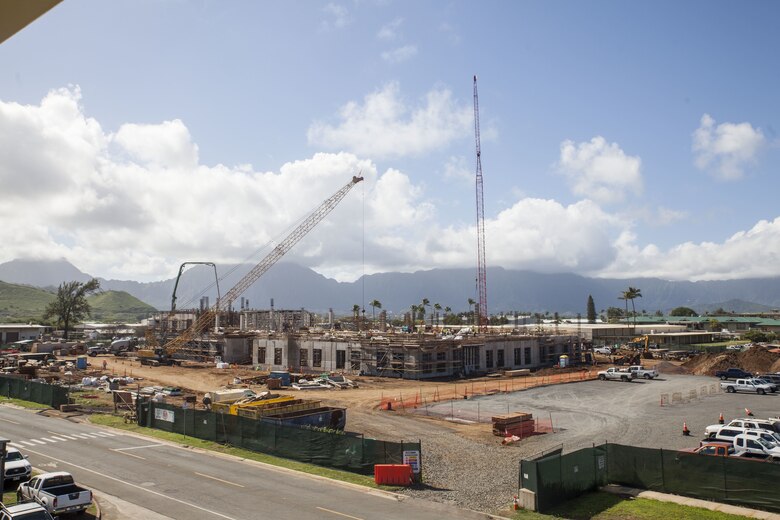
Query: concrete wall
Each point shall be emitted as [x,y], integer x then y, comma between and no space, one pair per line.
[237,350]
[298,354]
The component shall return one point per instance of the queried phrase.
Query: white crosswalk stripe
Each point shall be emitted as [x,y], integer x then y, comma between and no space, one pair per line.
[47,439]
[58,438]
[14,445]
[37,441]
[67,436]
[27,443]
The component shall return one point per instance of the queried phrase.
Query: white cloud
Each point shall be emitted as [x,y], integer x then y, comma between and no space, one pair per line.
[704,260]
[727,147]
[451,32]
[459,169]
[339,17]
[401,54]
[389,32]
[136,203]
[384,126]
[600,171]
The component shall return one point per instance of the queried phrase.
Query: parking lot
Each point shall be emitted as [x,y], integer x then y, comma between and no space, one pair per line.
[627,413]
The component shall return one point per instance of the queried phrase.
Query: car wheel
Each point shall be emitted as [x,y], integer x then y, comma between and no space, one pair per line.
[603,377]
[730,389]
[647,376]
[762,391]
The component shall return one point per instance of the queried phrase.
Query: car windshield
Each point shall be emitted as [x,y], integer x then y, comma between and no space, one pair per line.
[35,515]
[763,443]
[13,455]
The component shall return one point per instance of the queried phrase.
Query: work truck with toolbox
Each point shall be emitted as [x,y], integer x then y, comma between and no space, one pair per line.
[57,492]
[746,385]
[617,375]
[642,372]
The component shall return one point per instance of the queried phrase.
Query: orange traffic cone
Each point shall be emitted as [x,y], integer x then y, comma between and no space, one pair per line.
[720,419]
[686,431]
[748,412]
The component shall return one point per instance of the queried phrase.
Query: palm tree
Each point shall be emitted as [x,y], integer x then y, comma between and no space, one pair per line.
[437,308]
[633,293]
[375,304]
[425,303]
[415,309]
[356,315]
[471,304]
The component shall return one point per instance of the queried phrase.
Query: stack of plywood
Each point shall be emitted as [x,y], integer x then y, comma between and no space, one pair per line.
[518,423]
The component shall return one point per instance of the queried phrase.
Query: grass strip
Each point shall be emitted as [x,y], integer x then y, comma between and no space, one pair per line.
[607,506]
[24,404]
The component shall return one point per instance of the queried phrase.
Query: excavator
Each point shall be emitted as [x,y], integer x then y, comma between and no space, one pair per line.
[642,342]
[154,354]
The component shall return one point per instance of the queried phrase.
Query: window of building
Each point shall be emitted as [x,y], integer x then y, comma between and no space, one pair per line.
[518,356]
[427,357]
[527,355]
[488,359]
[277,356]
[341,358]
[441,356]
[317,357]
[354,359]
[500,360]
[304,357]
[261,355]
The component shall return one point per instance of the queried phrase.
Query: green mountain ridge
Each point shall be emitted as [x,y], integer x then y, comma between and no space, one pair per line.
[23,304]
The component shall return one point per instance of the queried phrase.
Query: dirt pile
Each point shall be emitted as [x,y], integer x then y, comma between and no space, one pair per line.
[756,359]
[665,367]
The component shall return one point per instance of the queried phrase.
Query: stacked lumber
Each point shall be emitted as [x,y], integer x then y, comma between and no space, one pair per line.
[520,424]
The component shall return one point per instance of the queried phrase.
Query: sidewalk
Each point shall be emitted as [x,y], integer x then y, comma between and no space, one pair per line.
[693,502]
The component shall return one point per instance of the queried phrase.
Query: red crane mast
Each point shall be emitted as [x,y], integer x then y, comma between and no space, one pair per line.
[482,309]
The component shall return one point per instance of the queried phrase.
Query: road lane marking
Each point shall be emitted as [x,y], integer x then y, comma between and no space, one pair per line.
[61,435]
[37,441]
[129,454]
[136,486]
[10,421]
[219,479]
[59,438]
[14,445]
[27,443]
[340,514]
[47,439]
[137,447]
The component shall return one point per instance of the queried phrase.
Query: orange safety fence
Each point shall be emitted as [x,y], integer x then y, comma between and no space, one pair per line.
[458,391]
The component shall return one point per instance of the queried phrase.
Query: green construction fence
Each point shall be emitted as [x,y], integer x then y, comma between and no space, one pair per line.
[325,448]
[731,480]
[44,393]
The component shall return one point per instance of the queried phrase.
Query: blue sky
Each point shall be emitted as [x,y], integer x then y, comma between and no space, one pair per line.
[620,139]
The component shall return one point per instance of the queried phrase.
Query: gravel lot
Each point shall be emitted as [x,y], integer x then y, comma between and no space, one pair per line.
[472,469]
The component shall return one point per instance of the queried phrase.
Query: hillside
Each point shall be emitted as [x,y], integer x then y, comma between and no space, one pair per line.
[112,306]
[22,304]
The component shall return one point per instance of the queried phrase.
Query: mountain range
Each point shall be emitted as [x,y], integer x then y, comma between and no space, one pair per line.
[293,286]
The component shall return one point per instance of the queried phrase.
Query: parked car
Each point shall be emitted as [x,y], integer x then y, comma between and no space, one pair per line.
[741,424]
[97,349]
[766,381]
[745,385]
[27,511]
[719,449]
[745,445]
[603,350]
[642,372]
[57,492]
[17,467]
[617,375]
[733,373]
[774,378]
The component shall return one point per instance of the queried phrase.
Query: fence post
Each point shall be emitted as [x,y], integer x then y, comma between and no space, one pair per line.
[663,472]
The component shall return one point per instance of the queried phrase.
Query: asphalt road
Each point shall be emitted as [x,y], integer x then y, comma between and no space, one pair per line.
[139,474]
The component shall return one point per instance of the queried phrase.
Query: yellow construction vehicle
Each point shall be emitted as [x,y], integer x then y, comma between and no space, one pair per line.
[163,355]
[642,342]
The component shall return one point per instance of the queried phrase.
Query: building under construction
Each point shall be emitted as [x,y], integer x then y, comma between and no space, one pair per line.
[410,356]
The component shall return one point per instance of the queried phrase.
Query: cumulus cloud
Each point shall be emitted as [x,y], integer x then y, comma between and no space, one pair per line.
[338,16]
[703,260]
[459,169]
[600,171]
[390,31]
[400,54]
[726,149]
[385,126]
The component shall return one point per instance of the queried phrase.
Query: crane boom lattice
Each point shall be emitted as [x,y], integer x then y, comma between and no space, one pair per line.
[482,310]
[205,319]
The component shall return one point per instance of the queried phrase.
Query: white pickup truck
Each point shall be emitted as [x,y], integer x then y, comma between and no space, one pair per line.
[617,375]
[749,446]
[746,385]
[57,492]
[642,372]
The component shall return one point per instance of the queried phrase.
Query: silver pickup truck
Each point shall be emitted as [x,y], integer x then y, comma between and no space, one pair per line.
[57,492]
[617,375]
[746,385]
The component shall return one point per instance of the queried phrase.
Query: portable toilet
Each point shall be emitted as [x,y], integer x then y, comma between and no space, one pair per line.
[564,361]
[81,362]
